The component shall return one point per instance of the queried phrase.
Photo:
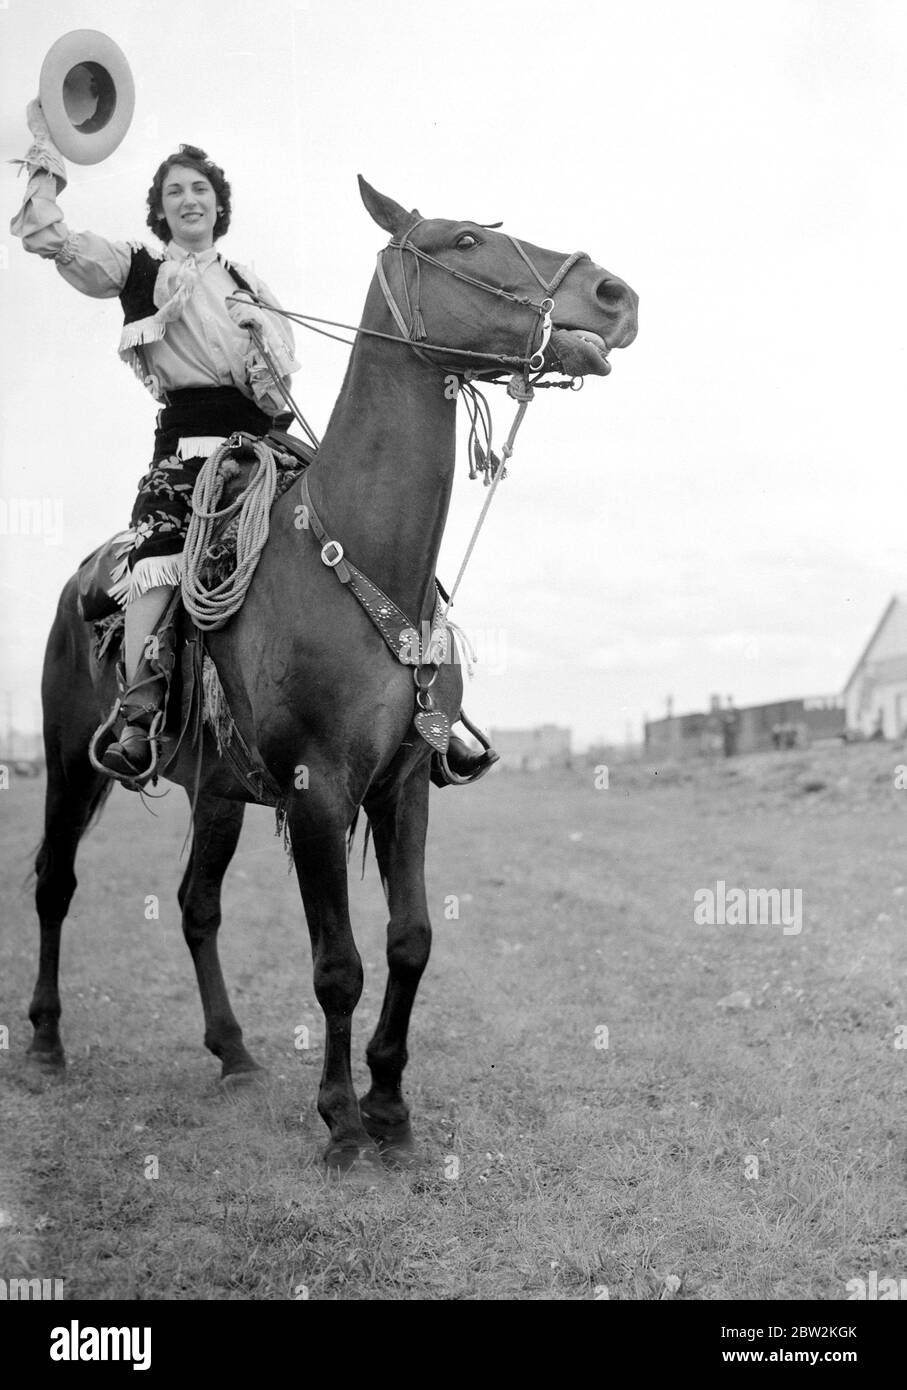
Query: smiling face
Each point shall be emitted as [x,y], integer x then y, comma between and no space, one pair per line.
[190,207]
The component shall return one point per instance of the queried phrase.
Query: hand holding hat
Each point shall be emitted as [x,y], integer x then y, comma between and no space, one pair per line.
[37,122]
[42,155]
[49,157]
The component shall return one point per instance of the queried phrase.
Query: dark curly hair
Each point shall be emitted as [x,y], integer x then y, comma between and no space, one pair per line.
[191,157]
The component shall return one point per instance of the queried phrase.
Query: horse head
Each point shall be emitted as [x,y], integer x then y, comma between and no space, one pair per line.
[480,299]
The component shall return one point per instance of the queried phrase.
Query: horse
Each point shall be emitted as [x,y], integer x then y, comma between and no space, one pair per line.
[308,677]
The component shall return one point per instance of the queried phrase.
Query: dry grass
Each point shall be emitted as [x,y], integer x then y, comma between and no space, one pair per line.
[577,1168]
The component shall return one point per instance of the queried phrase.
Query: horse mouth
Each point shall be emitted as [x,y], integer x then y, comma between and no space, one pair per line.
[579,352]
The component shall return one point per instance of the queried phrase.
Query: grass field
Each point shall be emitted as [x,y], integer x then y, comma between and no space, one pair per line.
[740,1136]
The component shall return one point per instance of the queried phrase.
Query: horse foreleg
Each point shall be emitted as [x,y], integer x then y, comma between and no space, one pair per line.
[74,794]
[399,834]
[318,838]
[216,826]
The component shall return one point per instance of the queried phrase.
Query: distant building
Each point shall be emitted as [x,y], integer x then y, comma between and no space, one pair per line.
[875,696]
[529,750]
[727,730]
[20,744]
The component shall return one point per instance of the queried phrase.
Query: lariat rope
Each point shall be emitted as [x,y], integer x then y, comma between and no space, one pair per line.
[212,608]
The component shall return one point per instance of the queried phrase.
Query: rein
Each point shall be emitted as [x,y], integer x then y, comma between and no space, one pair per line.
[432,724]
[414,332]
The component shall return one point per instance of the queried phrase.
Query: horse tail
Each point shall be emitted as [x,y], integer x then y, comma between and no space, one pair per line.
[97,803]
[42,853]
[351,835]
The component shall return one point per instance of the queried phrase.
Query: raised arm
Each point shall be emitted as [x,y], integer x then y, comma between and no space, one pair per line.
[88,262]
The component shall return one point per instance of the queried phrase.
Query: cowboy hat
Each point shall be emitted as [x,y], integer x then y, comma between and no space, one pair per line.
[87,94]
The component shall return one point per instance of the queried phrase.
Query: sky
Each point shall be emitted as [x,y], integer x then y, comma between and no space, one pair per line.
[722,514]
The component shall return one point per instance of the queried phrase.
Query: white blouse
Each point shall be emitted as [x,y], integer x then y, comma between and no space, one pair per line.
[200,345]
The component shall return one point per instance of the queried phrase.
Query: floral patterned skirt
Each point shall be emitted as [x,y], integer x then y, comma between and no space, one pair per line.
[160,516]
[151,551]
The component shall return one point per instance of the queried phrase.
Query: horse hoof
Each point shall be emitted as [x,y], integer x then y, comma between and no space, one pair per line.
[357,1166]
[395,1142]
[397,1148]
[238,1081]
[401,1158]
[49,1059]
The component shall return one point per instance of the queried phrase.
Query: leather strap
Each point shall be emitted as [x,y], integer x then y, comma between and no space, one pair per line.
[393,624]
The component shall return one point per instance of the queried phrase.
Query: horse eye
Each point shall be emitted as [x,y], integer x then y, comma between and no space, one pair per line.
[466,241]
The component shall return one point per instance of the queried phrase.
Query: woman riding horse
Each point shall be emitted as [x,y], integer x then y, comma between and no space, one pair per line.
[194,352]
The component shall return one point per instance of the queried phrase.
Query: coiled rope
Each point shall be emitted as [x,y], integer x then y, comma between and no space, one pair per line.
[212,608]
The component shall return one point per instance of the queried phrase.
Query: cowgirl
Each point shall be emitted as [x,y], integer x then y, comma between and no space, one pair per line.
[193,352]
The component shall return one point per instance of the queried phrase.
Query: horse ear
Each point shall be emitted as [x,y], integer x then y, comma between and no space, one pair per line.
[388,214]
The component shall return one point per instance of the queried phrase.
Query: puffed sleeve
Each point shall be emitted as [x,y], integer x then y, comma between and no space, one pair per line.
[88,262]
[280,344]
[279,339]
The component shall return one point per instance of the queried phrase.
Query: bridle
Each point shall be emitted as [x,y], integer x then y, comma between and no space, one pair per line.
[414,331]
[520,387]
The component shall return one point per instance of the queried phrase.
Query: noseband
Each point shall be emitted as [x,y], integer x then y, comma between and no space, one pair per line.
[414,331]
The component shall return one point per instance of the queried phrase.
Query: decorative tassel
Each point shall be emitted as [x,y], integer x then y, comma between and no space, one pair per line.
[108,634]
[418,333]
[148,574]
[133,360]
[149,330]
[217,711]
[121,579]
[199,446]
[152,251]
[119,589]
[465,650]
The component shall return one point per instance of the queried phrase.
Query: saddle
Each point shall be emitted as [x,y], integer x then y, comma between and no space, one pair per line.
[95,578]
[193,695]
[97,570]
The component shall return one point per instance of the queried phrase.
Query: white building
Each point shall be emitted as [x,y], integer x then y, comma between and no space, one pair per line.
[530,750]
[875,696]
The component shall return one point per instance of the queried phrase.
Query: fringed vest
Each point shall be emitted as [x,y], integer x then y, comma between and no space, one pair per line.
[141,324]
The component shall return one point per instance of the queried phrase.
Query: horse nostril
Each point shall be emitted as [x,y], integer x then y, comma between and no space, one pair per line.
[611,292]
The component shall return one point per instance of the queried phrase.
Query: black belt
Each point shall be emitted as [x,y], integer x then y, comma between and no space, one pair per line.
[210,410]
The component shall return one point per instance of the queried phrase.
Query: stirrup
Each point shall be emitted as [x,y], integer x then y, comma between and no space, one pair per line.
[150,671]
[443,775]
[135,783]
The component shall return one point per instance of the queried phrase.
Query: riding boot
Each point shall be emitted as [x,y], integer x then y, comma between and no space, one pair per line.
[465,763]
[140,702]
[460,765]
